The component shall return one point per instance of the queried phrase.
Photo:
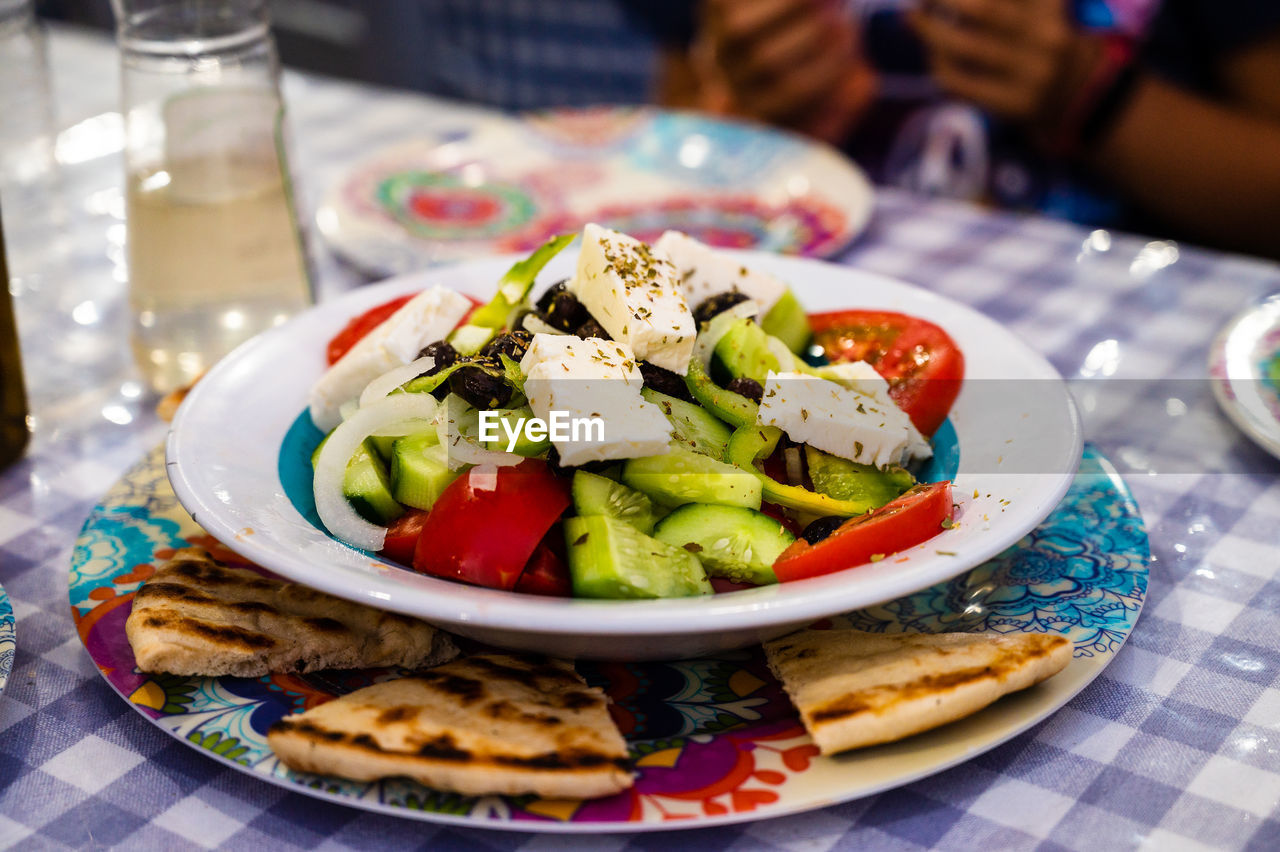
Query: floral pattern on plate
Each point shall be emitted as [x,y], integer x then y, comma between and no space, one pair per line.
[503,185]
[713,740]
[8,638]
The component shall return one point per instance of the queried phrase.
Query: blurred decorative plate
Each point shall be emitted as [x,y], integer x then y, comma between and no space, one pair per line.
[1244,365]
[715,740]
[8,645]
[510,183]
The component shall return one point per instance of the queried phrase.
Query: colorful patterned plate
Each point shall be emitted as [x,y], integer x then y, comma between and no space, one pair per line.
[508,184]
[8,638]
[714,740]
[1244,365]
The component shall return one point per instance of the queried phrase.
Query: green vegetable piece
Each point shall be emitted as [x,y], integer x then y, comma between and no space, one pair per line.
[733,408]
[750,443]
[744,352]
[516,284]
[693,425]
[515,419]
[683,476]
[847,480]
[598,495]
[366,484]
[609,558]
[788,322]
[732,542]
[468,339]
[420,470]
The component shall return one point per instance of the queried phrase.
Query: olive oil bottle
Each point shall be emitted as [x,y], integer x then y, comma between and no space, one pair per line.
[13,399]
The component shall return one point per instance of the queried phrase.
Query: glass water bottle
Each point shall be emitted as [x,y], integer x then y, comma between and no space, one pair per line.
[215,251]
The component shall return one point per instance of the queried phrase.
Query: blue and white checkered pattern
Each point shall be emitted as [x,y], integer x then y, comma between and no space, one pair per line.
[1177,745]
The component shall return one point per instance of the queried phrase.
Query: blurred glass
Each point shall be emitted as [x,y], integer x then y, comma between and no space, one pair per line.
[59,314]
[215,250]
[13,400]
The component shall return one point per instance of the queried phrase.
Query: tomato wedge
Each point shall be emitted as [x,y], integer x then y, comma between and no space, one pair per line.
[546,573]
[920,361]
[366,322]
[914,517]
[403,535]
[485,525]
[359,326]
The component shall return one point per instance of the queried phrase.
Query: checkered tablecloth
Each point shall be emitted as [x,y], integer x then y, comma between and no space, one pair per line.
[1177,745]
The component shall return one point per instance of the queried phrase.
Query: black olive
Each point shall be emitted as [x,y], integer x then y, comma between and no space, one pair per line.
[443,352]
[483,388]
[557,466]
[591,328]
[664,381]
[719,303]
[513,344]
[749,388]
[544,301]
[821,528]
[562,309]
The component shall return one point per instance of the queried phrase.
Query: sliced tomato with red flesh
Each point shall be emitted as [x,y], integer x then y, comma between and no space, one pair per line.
[403,535]
[916,516]
[546,573]
[361,325]
[355,330]
[485,525]
[920,361]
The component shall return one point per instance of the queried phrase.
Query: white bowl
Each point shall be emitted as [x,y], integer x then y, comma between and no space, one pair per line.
[1018,432]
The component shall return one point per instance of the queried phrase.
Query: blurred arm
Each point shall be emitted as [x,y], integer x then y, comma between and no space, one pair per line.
[1211,168]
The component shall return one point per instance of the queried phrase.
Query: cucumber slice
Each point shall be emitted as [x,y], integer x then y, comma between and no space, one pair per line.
[788,322]
[683,476]
[744,352]
[514,419]
[366,484]
[731,542]
[694,426]
[420,470]
[847,480]
[382,444]
[612,559]
[733,408]
[597,495]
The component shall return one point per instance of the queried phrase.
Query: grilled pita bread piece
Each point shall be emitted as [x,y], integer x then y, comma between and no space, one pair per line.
[197,616]
[856,689]
[490,723]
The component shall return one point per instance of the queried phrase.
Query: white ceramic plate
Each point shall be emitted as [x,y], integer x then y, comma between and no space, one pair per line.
[506,185]
[1018,433]
[1244,365]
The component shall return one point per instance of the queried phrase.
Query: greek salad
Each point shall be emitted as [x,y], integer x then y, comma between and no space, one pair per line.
[667,422]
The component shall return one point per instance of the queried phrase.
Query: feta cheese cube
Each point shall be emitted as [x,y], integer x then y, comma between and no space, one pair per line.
[636,296]
[424,319]
[838,420]
[863,378]
[580,380]
[704,272]
[579,358]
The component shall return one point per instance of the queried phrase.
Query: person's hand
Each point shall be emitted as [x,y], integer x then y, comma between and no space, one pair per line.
[789,62]
[1020,59]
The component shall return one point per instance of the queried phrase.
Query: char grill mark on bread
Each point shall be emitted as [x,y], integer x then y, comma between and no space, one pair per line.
[197,616]
[855,689]
[491,723]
